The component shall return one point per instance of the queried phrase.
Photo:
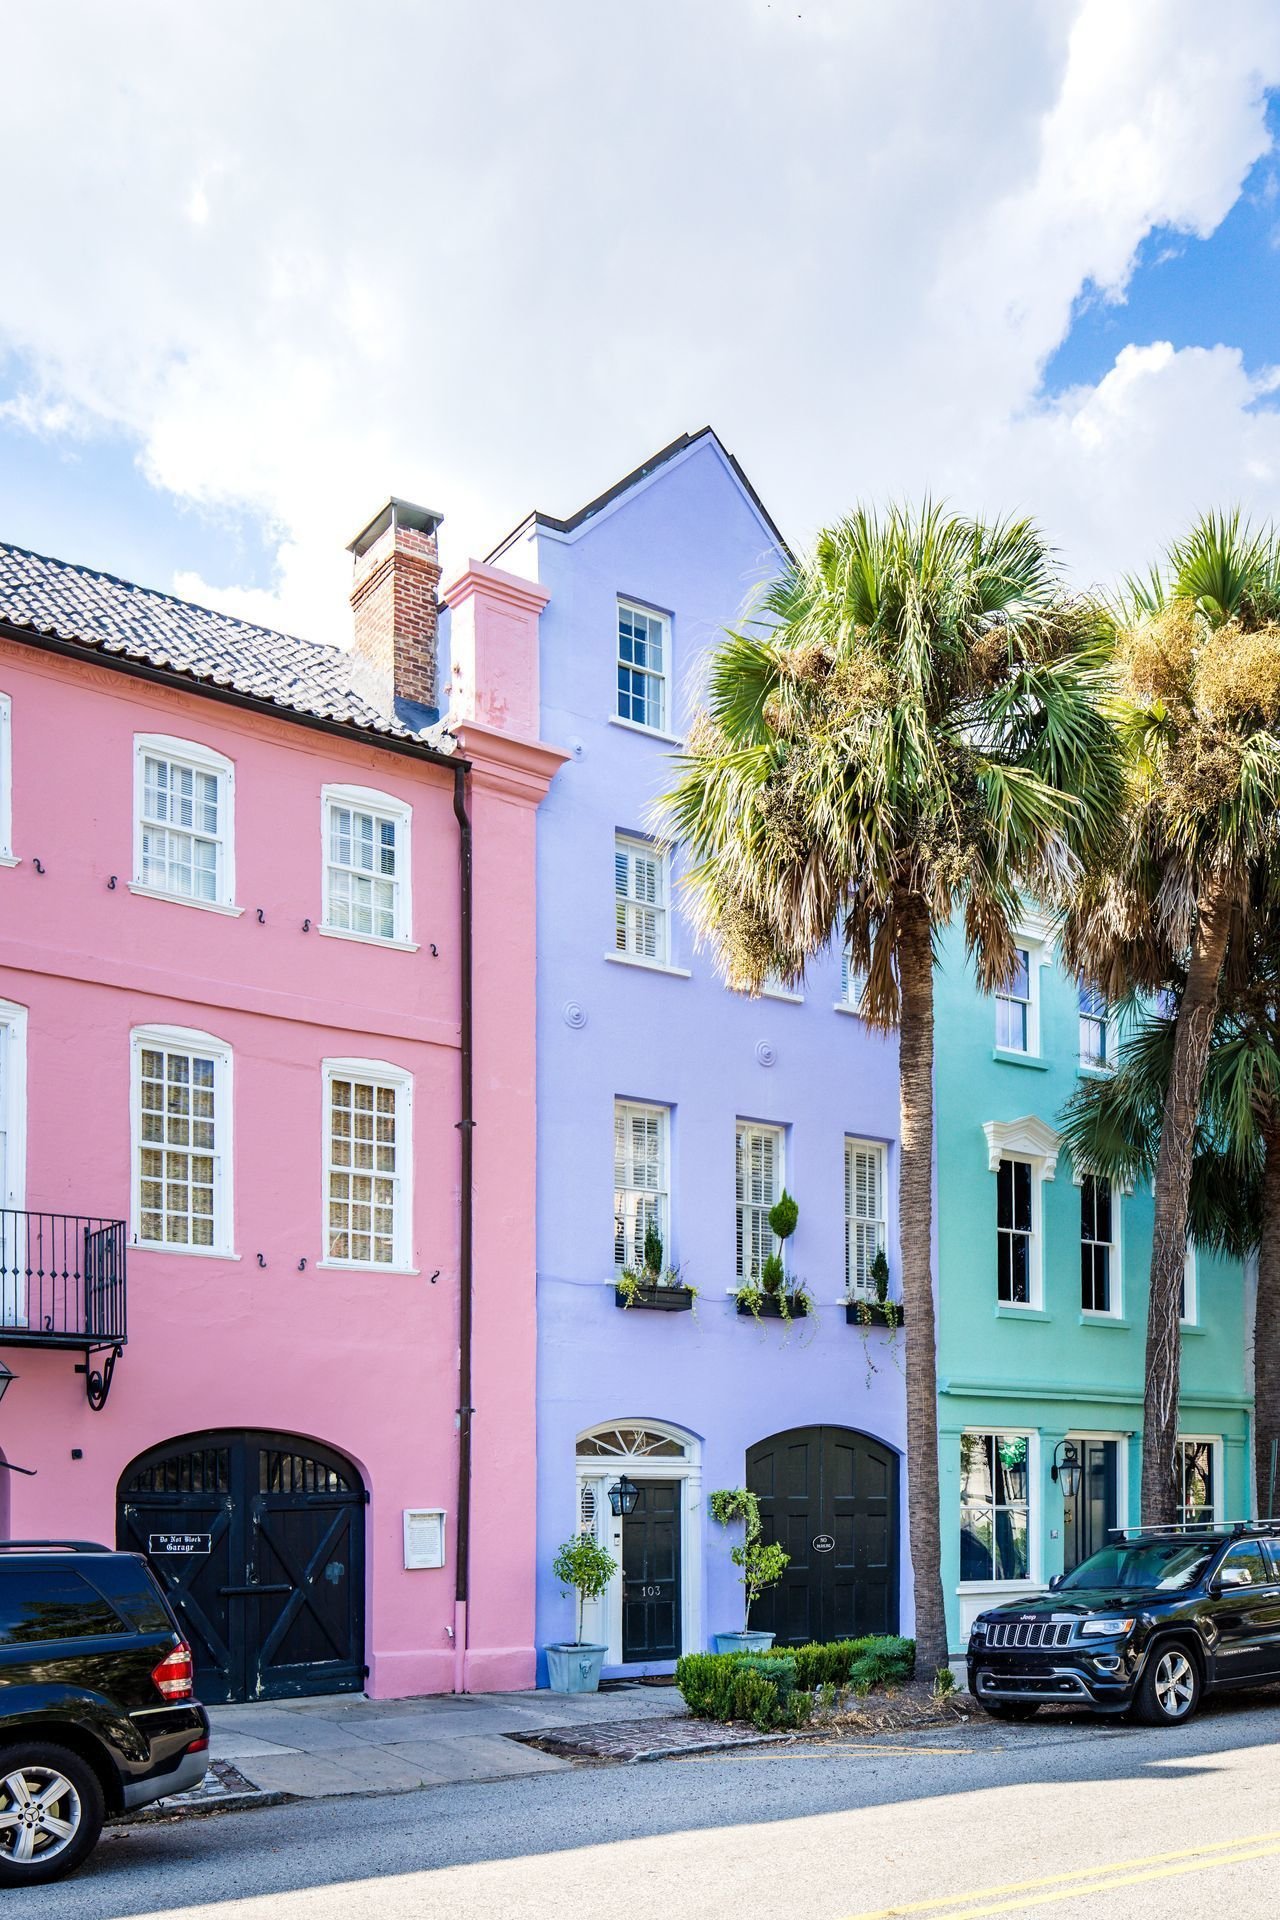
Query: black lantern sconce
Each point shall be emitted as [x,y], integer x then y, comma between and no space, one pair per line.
[1066,1471]
[623,1495]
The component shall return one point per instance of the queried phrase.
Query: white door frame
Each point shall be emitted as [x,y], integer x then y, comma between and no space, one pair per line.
[1122,1468]
[602,1618]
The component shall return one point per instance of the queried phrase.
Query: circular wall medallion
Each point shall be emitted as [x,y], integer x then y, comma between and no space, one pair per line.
[766,1053]
[574,1014]
[823,1543]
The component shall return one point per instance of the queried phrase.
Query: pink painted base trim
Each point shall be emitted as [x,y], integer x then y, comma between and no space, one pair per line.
[401,1676]
[500,1669]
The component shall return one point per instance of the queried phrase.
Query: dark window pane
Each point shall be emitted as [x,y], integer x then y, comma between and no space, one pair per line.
[1004,1194]
[1022,1196]
[52,1605]
[1020,1249]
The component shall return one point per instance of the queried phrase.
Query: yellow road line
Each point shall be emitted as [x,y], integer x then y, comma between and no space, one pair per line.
[1051,1888]
[821,1752]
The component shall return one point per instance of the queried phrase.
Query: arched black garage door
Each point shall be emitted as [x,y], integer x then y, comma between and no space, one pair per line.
[830,1496]
[258,1540]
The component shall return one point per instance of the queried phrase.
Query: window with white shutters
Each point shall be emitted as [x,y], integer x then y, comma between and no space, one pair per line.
[366,872]
[182,1140]
[852,980]
[864,1214]
[759,1187]
[640,899]
[639,1181]
[183,839]
[6,783]
[368,1158]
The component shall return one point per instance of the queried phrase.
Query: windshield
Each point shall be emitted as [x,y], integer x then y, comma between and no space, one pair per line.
[1170,1565]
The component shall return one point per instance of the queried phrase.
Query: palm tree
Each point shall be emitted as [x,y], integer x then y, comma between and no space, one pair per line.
[1112,1128]
[909,728]
[1198,709]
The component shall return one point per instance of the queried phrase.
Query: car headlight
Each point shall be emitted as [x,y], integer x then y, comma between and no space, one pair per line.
[978,1631]
[1111,1626]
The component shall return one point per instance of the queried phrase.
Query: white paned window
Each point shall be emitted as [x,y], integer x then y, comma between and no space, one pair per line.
[852,980]
[184,846]
[1015,1230]
[1095,1030]
[1014,1021]
[640,1192]
[1198,1479]
[644,649]
[366,865]
[995,1505]
[182,1140]
[864,1215]
[367,1164]
[759,1187]
[1097,1246]
[6,783]
[640,899]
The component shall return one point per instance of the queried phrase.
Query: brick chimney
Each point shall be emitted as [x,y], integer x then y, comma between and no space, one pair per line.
[393,597]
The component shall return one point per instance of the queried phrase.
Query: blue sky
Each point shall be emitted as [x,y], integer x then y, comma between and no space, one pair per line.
[1195,293]
[861,241]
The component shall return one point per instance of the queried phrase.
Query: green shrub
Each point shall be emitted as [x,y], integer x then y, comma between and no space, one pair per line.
[738,1686]
[778,1667]
[887,1657]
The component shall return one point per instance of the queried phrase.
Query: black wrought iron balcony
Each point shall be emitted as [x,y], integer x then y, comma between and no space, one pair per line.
[62,1284]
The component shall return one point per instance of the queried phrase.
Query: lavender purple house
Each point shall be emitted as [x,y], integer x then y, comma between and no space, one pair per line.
[663,1097]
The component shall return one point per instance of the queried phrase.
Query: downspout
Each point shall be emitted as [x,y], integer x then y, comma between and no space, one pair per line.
[466,1126]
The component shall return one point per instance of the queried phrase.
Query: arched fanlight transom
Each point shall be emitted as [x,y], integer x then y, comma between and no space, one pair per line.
[631,1443]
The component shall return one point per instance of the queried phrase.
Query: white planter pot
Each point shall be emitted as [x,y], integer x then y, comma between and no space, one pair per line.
[574,1668]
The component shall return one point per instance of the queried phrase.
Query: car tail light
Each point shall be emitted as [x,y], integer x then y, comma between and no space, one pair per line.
[175,1675]
[202,1744]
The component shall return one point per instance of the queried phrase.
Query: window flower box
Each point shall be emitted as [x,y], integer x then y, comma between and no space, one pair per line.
[873,1313]
[768,1306]
[655,1298]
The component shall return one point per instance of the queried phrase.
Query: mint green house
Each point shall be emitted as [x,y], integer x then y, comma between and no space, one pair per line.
[1042,1303]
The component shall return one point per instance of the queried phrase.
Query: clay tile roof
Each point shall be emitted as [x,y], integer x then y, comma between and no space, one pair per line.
[54,599]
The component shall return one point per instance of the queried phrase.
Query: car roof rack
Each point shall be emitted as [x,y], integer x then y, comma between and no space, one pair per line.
[1180,1529]
[54,1546]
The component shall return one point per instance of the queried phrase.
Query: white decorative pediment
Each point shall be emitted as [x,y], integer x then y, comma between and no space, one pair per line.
[1028,1139]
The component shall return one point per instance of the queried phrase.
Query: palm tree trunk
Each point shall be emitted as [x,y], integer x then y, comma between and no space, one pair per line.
[914,954]
[1161,1490]
[1266,1326]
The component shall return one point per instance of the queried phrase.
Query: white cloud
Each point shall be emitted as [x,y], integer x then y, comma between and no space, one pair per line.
[488,257]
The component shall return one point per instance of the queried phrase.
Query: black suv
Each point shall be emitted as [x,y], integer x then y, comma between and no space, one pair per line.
[1147,1624]
[97,1708]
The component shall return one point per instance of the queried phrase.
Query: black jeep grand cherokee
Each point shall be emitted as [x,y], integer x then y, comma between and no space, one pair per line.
[1147,1624]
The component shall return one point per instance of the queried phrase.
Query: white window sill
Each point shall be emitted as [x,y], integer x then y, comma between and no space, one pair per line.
[192,1253]
[650,733]
[771,993]
[367,939]
[1011,1058]
[366,1266]
[9,860]
[843,1006]
[183,899]
[1000,1586]
[1090,1319]
[648,966]
[1010,1310]
[1085,1072]
[1190,1326]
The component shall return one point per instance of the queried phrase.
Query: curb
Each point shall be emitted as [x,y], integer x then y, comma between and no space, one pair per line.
[161,1810]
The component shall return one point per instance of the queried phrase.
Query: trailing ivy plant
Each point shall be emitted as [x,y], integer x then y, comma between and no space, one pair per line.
[761,1564]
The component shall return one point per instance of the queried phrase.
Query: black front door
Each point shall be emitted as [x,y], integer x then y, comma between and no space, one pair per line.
[651,1573]
[830,1497]
[258,1541]
[1087,1520]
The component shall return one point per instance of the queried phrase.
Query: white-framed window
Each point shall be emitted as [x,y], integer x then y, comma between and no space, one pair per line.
[13,1104]
[181,1140]
[367,866]
[641,1191]
[368,1165]
[1022,1154]
[641,887]
[995,1506]
[644,657]
[1097,1039]
[864,1214]
[1016,1009]
[1099,1246]
[183,822]
[852,981]
[7,856]
[758,1189]
[1189,1300]
[1015,1232]
[1198,1476]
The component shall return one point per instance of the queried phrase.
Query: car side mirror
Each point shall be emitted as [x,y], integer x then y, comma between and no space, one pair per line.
[1055,1583]
[1231,1577]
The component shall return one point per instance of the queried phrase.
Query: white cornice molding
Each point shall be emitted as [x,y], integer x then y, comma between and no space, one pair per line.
[1029,1138]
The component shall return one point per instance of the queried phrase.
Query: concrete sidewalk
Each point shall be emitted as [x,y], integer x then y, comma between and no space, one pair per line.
[347,1744]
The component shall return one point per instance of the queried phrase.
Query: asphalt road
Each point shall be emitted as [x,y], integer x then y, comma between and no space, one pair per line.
[1091,1819]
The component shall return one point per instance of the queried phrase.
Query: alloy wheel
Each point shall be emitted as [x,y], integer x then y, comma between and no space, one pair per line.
[40,1814]
[1175,1683]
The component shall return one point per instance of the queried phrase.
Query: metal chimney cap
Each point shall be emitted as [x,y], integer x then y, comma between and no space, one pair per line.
[396,513]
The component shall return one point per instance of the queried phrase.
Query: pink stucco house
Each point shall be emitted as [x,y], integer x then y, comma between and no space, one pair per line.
[267,1113]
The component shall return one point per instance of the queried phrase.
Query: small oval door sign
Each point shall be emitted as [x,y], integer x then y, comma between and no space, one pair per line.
[824,1543]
